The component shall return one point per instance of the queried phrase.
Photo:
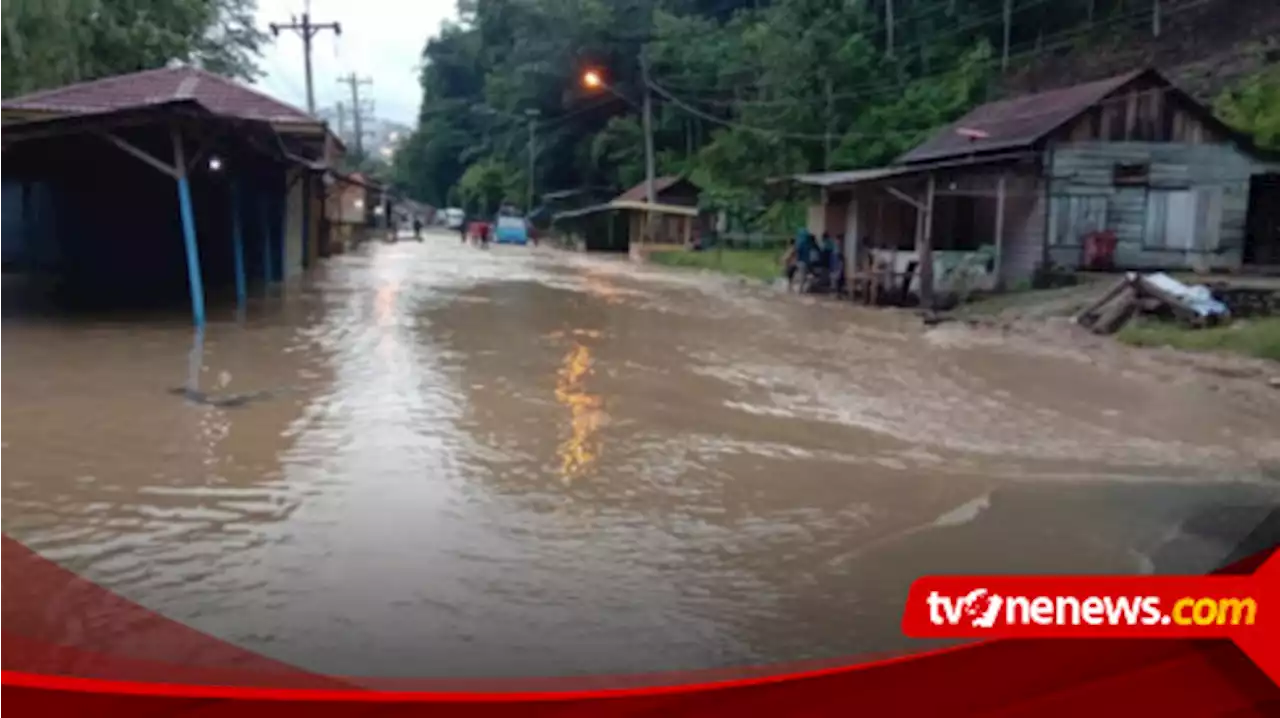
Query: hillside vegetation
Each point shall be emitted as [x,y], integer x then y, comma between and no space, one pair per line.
[746,90]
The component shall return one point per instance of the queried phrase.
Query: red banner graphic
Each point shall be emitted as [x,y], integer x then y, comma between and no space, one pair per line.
[70,647]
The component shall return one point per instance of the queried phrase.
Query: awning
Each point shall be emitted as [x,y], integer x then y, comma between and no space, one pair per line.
[61,125]
[258,135]
[854,177]
[659,208]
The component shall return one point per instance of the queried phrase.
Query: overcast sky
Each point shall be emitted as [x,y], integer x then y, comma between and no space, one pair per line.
[381,39]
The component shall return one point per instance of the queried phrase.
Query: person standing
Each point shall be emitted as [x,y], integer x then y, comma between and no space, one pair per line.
[806,251]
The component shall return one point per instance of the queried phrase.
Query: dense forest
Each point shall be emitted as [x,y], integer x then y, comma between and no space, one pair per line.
[743,90]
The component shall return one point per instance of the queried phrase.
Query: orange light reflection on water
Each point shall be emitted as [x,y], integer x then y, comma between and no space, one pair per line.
[579,451]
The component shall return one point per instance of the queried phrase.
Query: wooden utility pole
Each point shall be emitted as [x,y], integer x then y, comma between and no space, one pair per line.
[342,122]
[357,110]
[307,30]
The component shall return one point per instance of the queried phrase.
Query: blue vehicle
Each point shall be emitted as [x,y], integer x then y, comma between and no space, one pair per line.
[511,230]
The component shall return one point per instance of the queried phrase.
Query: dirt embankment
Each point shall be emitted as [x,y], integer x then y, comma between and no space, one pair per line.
[1205,46]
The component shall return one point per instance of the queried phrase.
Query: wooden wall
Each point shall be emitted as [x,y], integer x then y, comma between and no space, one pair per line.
[1143,111]
[1024,226]
[293,228]
[1183,206]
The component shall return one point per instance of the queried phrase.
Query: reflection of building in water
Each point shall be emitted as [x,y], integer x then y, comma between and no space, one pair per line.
[580,449]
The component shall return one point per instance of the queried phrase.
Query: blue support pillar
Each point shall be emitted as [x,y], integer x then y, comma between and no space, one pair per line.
[237,244]
[195,279]
[306,220]
[268,237]
[284,228]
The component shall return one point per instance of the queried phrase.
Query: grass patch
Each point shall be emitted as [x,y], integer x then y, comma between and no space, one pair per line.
[1031,303]
[1251,337]
[762,264]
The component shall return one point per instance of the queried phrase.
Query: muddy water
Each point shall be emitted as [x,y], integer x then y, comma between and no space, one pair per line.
[530,463]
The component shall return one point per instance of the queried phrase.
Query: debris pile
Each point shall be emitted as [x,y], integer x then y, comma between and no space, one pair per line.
[1157,294]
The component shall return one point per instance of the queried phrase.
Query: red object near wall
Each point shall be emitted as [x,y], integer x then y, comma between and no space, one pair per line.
[1100,250]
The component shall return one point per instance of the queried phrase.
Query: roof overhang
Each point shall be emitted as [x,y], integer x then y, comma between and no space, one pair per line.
[55,125]
[829,180]
[622,205]
[257,135]
[659,208]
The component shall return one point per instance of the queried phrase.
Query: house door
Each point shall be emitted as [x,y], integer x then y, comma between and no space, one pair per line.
[1262,228]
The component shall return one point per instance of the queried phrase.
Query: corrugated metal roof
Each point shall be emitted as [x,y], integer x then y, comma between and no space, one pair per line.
[216,93]
[656,207]
[852,177]
[626,204]
[828,179]
[1019,121]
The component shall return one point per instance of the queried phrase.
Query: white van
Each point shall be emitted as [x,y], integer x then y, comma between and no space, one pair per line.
[454,217]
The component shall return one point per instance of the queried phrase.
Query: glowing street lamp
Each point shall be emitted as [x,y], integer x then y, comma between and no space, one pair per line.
[215,163]
[592,80]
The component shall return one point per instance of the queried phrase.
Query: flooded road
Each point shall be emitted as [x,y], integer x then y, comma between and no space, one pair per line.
[532,463]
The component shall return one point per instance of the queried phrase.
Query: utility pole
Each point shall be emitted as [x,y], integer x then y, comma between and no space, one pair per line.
[827,125]
[533,126]
[357,121]
[342,122]
[1008,26]
[650,195]
[648,131]
[888,27]
[1155,18]
[307,30]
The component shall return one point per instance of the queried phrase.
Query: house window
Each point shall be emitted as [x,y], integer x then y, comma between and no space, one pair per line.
[1124,173]
[1183,219]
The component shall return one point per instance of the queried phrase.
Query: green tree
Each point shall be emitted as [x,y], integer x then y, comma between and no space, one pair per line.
[1253,106]
[54,42]
[744,90]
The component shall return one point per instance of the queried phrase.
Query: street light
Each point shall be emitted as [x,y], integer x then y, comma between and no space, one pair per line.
[215,163]
[593,80]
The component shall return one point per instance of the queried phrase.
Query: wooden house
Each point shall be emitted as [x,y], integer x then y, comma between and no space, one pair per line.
[1036,180]
[630,223]
[160,181]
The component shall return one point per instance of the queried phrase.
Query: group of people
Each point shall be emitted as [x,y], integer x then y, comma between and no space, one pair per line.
[478,232]
[809,258]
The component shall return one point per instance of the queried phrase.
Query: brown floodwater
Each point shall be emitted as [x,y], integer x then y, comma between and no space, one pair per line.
[525,462]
